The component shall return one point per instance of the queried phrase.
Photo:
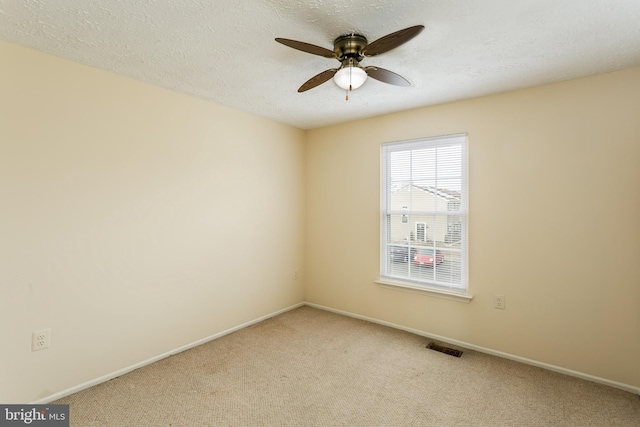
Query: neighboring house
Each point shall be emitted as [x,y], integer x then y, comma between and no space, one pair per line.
[434,217]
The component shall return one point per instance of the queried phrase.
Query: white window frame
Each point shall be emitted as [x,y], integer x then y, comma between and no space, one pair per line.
[453,291]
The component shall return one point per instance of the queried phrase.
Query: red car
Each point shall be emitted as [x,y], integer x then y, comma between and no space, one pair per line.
[425,257]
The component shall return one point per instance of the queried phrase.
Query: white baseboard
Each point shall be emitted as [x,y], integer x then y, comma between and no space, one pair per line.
[138,365]
[588,377]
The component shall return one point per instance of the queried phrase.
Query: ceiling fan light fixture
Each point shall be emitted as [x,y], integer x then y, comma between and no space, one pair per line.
[350,77]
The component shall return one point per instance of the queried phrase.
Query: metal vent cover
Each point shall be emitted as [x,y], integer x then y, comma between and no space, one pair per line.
[445,350]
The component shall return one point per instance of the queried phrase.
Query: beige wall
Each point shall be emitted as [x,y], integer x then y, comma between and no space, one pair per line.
[554,223]
[134,220]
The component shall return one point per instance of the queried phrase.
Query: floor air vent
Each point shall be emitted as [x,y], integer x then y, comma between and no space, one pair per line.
[445,350]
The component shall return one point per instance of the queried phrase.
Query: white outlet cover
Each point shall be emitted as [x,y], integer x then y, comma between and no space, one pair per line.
[41,339]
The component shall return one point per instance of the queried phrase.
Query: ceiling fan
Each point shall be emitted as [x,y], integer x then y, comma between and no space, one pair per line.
[350,49]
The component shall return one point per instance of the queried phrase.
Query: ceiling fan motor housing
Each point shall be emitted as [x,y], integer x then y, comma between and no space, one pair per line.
[350,46]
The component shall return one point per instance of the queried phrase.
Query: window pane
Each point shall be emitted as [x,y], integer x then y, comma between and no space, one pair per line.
[424,191]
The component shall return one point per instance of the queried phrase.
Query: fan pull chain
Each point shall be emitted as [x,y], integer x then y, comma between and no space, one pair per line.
[350,87]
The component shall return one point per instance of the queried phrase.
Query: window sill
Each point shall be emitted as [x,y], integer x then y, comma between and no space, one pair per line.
[424,290]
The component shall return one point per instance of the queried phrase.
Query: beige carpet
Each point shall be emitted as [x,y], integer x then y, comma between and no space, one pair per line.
[309,367]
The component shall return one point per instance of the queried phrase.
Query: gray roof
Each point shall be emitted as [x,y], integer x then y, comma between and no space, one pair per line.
[440,192]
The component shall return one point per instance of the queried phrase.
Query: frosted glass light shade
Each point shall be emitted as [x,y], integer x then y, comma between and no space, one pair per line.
[350,76]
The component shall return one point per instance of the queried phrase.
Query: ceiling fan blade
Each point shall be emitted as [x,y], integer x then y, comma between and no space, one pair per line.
[391,41]
[386,76]
[306,47]
[317,80]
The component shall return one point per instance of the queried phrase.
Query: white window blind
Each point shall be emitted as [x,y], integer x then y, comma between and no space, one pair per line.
[424,212]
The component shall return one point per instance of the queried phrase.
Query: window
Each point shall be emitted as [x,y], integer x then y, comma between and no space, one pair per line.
[421,231]
[424,213]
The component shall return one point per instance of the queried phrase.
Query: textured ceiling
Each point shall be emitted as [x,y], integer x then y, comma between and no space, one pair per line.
[224,50]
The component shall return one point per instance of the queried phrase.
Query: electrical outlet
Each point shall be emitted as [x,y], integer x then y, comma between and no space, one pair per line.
[295,274]
[498,301]
[40,339]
